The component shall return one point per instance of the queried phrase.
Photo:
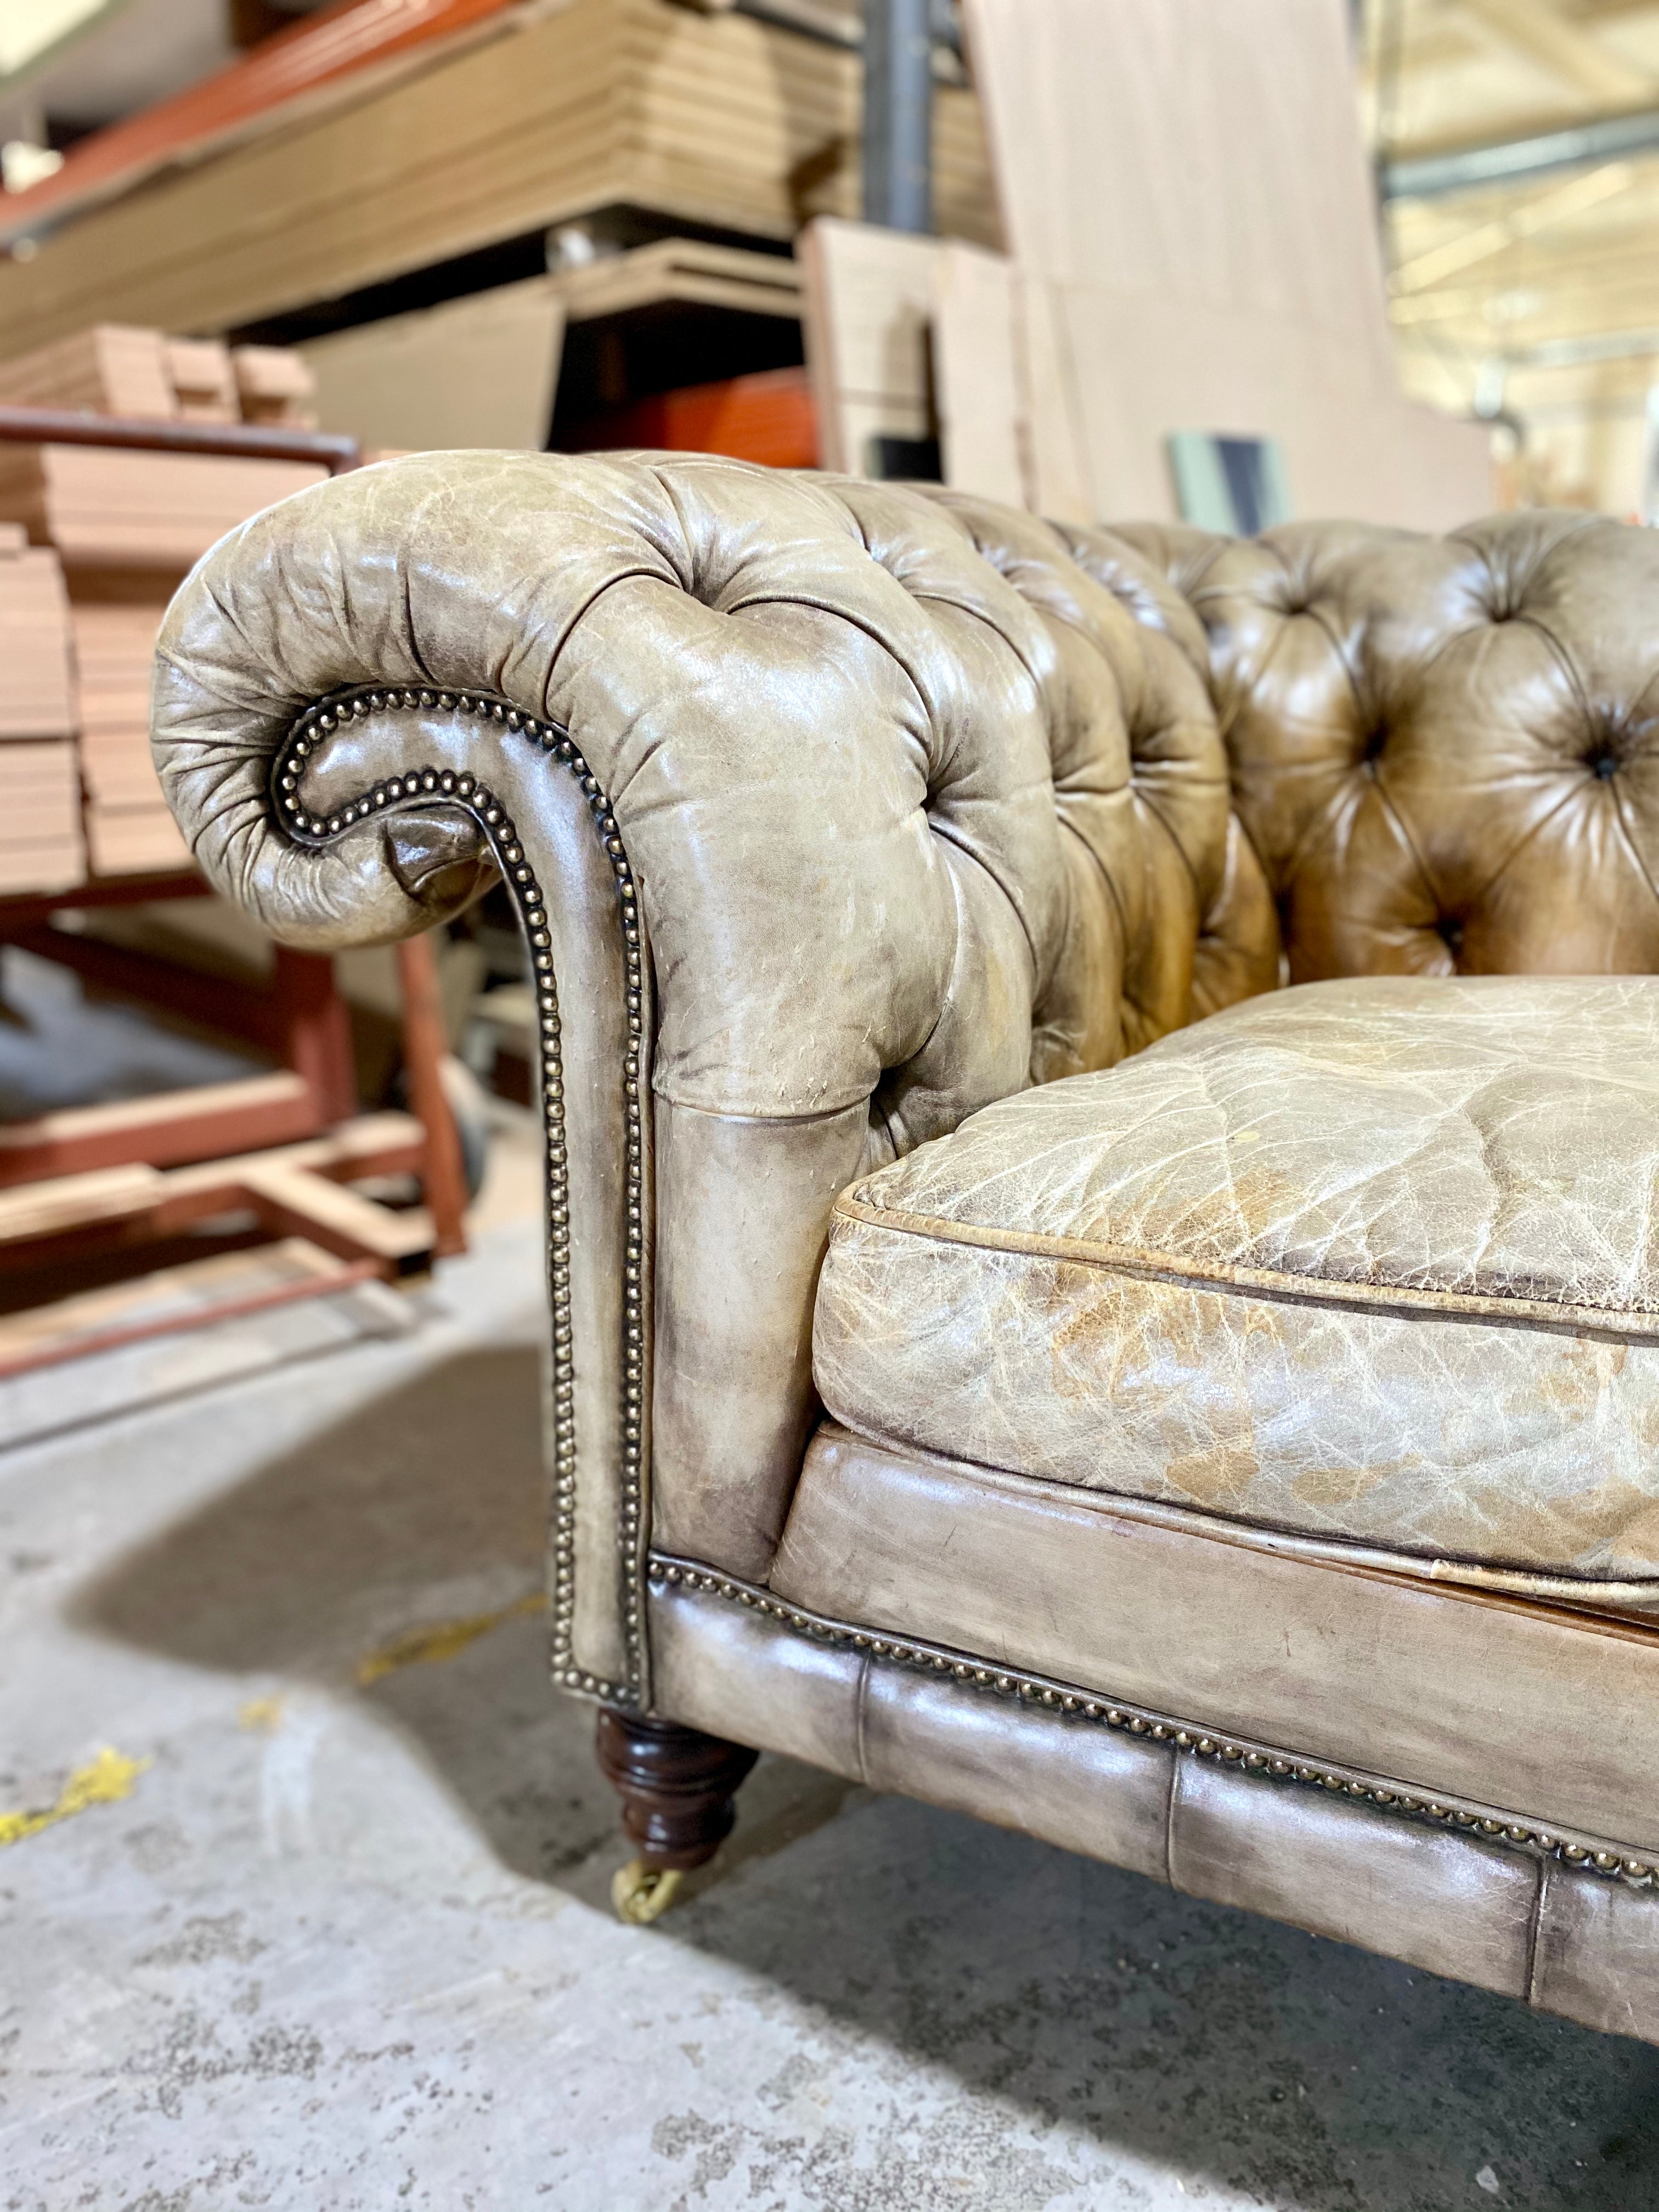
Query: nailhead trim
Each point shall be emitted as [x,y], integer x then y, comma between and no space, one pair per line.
[1200,1743]
[313,831]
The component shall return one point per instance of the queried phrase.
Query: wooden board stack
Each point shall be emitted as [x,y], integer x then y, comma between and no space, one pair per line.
[203,382]
[94,541]
[40,848]
[722,121]
[126,527]
[274,387]
[130,829]
[117,368]
[111,369]
[105,507]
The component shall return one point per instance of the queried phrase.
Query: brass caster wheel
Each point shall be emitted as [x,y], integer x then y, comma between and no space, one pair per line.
[641,1894]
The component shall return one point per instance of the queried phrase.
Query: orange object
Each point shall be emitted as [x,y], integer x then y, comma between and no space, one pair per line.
[336,43]
[767,418]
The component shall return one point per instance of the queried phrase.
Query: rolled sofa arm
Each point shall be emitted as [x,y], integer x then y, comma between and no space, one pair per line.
[831,812]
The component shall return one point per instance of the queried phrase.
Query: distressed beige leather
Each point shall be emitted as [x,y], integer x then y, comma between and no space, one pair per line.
[1493,1700]
[1370,1262]
[1564,1939]
[1442,749]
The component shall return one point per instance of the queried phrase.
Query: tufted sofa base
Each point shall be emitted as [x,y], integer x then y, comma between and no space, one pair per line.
[1212,1817]
[1472,1697]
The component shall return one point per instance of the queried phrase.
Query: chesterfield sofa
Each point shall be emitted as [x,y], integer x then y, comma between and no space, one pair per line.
[1101,1107]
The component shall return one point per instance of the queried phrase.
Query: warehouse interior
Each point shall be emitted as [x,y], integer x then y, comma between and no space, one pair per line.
[306,1875]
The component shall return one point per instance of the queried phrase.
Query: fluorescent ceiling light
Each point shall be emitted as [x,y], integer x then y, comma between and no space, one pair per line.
[22,165]
[29,28]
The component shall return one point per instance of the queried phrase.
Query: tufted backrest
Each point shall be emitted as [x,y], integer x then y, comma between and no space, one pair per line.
[1445,751]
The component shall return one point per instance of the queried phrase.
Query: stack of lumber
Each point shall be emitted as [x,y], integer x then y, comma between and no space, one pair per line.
[41,846]
[721,121]
[109,369]
[103,506]
[35,696]
[203,383]
[130,829]
[125,526]
[275,387]
[118,368]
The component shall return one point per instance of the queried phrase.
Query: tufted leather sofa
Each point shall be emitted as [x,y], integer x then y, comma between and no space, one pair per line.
[1237,1456]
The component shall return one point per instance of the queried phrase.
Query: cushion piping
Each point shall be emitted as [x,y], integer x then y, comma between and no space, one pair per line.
[1623,1323]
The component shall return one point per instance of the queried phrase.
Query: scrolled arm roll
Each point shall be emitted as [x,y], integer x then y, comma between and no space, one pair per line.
[769,764]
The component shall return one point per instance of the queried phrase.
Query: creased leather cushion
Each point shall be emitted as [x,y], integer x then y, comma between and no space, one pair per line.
[1372,1262]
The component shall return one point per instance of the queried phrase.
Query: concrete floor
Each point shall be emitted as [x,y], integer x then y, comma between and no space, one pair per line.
[345,1941]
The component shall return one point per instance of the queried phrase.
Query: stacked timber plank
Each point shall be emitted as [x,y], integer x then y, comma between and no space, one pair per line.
[719,120]
[109,369]
[119,368]
[35,697]
[93,542]
[203,382]
[130,829]
[274,387]
[40,848]
[126,526]
[103,506]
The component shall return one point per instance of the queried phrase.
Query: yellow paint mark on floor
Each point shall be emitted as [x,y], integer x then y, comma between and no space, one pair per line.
[103,1781]
[441,1640]
[261,1713]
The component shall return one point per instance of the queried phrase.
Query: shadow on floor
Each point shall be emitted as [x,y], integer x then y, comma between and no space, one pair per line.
[1301,2073]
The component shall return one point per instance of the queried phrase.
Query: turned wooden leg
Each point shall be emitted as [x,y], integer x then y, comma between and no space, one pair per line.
[676,1786]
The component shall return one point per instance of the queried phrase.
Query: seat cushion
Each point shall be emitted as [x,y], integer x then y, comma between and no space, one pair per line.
[1367,1266]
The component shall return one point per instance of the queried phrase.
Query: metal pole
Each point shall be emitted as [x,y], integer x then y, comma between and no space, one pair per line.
[898,109]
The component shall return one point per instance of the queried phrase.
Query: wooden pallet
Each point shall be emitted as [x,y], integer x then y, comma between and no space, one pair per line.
[293,1190]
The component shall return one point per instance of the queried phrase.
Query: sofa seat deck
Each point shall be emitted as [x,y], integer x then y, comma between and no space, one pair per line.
[1371,1264]
[1537,1716]
[1539,1918]
[1296,1381]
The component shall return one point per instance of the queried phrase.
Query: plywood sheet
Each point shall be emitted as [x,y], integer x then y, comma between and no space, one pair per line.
[477,372]
[908,336]
[1186,194]
[984,443]
[868,308]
